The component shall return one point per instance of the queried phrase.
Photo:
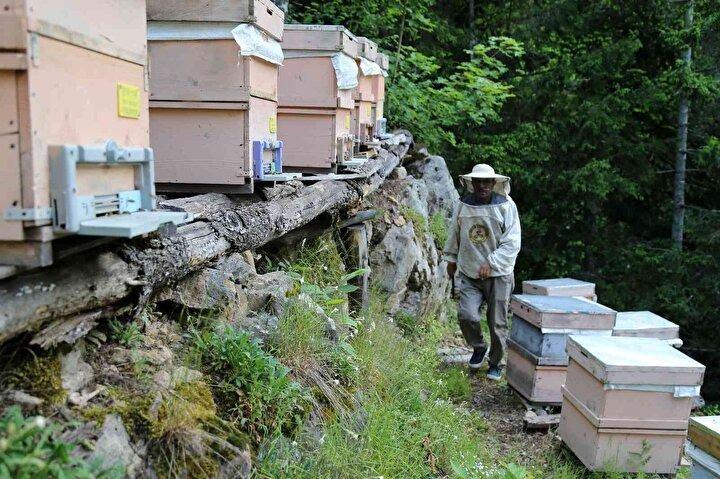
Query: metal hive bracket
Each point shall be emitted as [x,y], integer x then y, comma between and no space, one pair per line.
[122,214]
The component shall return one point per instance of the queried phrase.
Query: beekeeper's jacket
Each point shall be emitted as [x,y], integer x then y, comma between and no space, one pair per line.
[480,233]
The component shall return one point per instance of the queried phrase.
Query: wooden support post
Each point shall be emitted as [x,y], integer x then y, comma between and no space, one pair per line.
[356,256]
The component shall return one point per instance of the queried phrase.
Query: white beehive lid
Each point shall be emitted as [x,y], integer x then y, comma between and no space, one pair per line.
[634,361]
[320,38]
[561,312]
[645,324]
[559,287]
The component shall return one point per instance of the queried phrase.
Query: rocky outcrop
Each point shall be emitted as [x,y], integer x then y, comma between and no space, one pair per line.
[415,203]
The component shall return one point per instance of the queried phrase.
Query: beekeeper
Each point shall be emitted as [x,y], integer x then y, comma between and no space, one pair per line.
[482,245]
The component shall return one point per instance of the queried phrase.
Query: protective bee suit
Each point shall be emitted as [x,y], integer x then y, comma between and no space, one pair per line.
[484,233]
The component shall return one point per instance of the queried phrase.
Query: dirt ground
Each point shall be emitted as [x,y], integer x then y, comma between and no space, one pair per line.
[503,412]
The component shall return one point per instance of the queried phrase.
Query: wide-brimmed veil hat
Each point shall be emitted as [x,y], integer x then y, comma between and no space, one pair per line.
[486,172]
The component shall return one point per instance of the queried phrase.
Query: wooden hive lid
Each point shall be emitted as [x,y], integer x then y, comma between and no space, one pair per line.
[262,13]
[368,48]
[645,324]
[562,312]
[634,361]
[704,432]
[558,287]
[320,38]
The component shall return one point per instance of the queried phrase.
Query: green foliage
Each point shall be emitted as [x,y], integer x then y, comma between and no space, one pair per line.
[439,229]
[580,108]
[409,430]
[127,334]
[457,384]
[252,386]
[30,447]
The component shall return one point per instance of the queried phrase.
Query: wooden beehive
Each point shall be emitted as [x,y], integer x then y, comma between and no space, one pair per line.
[560,312]
[645,324]
[704,432]
[211,103]
[314,116]
[618,360]
[263,13]
[620,449]
[546,343]
[315,139]
[532,378]
[626,403]
[559,287]
[49,97]
[208,145]
[367,48]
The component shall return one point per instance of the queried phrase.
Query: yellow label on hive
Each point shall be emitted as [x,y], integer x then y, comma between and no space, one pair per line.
[272,124]
[347,121]
[369,110]
[128,101]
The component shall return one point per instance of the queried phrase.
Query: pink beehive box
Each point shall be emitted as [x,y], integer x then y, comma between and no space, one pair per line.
[620,449]
[213,91]
[316,85]
[560,287]
[48,97]
[561,312]
[535,381]
[637,389]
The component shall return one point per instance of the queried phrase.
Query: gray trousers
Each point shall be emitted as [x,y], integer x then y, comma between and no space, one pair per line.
[494,291]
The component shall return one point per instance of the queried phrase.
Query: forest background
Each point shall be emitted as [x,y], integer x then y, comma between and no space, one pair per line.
[578,101]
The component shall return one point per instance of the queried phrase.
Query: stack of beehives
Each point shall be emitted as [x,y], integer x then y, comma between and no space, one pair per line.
[537,362]
[626,403]
[317,81]
[369,93]
[213,91]
[74,139]
[704,447]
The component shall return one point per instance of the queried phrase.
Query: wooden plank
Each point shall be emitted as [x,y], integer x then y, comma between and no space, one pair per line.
[28,254]
[99,278]
[539,422]
[13,31]
[704,432]
[10,187]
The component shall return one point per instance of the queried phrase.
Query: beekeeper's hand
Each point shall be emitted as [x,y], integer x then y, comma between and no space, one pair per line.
[485,270]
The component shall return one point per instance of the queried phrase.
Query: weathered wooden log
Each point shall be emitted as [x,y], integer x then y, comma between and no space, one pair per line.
[103,277]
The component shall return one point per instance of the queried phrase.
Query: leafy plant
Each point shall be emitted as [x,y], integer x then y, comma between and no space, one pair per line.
[31,447]
[252,386]
[126,334]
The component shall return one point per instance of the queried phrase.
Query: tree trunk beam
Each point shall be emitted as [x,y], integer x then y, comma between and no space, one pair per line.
[100,278]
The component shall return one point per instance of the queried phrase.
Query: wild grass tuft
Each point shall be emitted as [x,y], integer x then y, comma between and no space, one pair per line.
[252,386]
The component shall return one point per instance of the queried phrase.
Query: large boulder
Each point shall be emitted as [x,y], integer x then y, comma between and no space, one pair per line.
[405,259]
